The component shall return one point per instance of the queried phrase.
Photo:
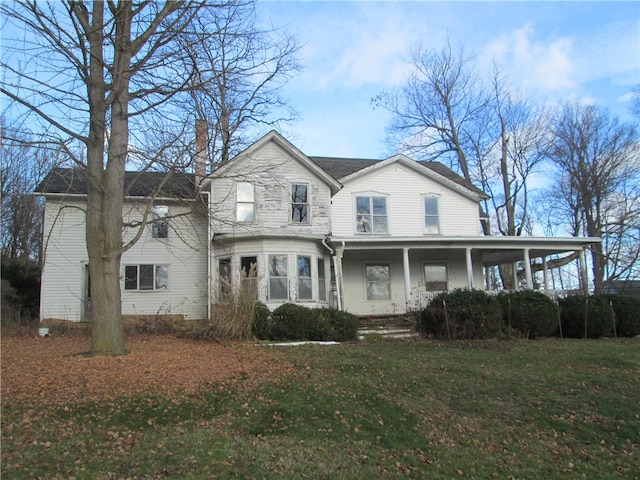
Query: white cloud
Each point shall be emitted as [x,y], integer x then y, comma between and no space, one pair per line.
[533,64]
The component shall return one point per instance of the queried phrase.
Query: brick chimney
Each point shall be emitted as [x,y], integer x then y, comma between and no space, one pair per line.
[202,128]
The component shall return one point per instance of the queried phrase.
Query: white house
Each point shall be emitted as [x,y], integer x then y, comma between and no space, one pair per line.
[372,237]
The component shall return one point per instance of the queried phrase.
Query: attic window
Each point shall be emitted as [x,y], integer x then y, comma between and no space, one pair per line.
[431,217]
[160,226]
[299,203]
[245,202]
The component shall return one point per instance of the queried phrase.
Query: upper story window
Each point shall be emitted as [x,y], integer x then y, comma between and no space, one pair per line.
[159,225]
[431,216]
[245,202]
[371,214]
[299,203]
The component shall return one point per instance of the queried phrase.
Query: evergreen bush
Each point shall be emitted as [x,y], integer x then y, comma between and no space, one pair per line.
[626,311]
[345,325]
[290,322]
[585,316]
[462,314]
[261,317]
[530,313]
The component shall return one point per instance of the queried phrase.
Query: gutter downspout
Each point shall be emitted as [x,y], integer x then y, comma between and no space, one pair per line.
[335,268]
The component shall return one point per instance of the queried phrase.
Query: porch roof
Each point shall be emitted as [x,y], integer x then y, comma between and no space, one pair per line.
[494,250]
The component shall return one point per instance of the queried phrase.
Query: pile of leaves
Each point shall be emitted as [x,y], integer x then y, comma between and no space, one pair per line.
[57,370]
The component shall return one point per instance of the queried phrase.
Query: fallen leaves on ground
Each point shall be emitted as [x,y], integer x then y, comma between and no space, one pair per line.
[55,370]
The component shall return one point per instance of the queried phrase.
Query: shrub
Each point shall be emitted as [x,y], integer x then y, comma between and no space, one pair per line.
[627,314]
[261,316]
[345,325]
[290,322]
[462,314]
[591,313]
[320,325]
[533,314]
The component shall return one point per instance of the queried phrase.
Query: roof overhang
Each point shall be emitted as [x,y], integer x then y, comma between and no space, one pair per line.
[494,250]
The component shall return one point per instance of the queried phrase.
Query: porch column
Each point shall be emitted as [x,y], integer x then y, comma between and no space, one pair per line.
[583,272]
[407,277]
[545,273]
[469,268]
[337,267]
[527,269]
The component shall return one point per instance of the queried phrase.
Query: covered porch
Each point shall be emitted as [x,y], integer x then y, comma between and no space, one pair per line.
[464,262]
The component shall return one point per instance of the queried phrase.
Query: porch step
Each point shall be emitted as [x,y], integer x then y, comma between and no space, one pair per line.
[387,326]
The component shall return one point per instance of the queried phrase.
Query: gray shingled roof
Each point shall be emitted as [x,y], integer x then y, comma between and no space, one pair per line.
[137,184]
[341,167]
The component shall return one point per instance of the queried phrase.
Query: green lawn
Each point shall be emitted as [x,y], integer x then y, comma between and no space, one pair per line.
[494,409]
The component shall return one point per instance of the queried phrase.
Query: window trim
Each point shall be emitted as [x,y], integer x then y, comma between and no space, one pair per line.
[370,196]
[366,280]
[436,197]
[138,266]
[242,202]
[292,203]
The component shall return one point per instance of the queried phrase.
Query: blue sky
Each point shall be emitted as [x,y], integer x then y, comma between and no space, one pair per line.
[353,50]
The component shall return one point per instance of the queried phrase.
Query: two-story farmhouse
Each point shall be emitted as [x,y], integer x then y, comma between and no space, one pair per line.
[372,237]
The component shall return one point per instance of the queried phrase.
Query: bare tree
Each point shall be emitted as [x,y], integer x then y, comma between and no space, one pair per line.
[433,112]
[598,173]
[84,70]
[238,72]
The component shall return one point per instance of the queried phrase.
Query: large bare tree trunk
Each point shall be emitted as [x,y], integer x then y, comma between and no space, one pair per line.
[106,187]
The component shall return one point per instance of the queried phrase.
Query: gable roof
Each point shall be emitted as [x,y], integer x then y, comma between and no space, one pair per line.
[287,146]
[340,168]
[73,181]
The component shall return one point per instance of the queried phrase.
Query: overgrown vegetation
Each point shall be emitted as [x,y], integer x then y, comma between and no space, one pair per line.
[473,409]
[20,291]
[600,315]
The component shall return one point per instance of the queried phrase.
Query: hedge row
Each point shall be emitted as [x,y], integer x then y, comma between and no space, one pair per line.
[472,314]
[296,322]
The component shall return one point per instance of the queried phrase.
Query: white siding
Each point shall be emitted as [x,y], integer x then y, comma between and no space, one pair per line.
[271,170]
[405,189]
[354,263]
[184,251]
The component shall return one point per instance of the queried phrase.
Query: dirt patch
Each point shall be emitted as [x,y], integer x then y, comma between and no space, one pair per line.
[53,370]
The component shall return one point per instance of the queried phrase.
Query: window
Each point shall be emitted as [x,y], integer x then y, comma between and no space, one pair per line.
[159,225]
[146,277]
[224,276]
[245,202]
[322,281]
[371,214]
[435,278]
[278,281]
[304,278]
[378,282]
[431,218]
[299,203]
[249,276]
